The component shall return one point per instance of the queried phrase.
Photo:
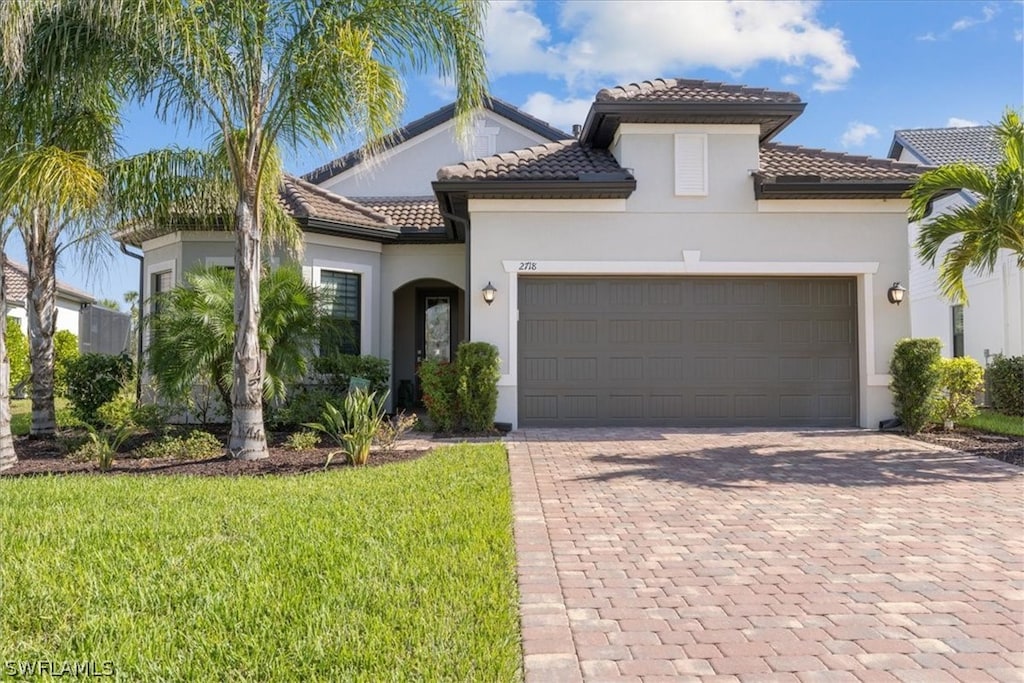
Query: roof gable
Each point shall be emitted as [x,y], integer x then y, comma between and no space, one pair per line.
[427,123]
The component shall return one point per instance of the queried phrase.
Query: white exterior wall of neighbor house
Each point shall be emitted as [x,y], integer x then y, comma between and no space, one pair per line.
[408,168]
[726,232]
[67,315]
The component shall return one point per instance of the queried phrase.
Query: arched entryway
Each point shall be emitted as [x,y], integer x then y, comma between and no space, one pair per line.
[428,323]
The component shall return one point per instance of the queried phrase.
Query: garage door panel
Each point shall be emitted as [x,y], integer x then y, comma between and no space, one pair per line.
[687,351]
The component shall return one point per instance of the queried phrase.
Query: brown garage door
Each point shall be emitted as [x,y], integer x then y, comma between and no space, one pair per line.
[693,351]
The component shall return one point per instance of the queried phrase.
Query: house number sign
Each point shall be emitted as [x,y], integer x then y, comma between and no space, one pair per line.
[527,265]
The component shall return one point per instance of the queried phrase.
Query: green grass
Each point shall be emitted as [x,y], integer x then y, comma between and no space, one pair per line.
[997,423]
[391,573]
[21,414]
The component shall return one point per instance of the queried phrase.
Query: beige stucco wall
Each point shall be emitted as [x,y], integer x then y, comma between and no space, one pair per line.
[410,167]
[726,233]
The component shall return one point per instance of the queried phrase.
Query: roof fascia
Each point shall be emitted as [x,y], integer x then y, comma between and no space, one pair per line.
[604,117]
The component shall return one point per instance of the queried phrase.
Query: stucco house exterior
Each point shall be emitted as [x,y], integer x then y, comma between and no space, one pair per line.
[993,320]
[669,265]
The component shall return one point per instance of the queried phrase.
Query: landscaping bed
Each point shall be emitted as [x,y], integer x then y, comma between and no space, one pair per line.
[1007,448]
[50,456]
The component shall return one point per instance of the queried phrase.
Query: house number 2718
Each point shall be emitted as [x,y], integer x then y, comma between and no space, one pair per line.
[528,265]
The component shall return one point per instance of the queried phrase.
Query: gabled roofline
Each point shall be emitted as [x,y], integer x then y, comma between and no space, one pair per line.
[604,117]
[432,120]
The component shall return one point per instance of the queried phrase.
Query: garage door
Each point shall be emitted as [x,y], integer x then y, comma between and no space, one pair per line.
[695,351]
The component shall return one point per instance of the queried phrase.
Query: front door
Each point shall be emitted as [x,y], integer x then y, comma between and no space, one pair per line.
[435,327]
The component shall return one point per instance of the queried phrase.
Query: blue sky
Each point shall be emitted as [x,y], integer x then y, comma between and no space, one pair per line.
[865,69]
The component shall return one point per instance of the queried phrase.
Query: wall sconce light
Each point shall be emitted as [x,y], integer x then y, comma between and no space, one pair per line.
[489,292]
[895,293]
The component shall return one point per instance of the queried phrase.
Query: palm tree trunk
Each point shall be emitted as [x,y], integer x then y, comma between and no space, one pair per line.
[7,454]
[248,440]
[42,321]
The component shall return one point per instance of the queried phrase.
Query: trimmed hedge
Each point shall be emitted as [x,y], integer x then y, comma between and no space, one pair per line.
[1005,375]
[915,380]
[479,369]
[440,385]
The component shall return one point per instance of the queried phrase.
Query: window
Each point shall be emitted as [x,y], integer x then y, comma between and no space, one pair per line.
[162,282]
[958,331]
[343,294]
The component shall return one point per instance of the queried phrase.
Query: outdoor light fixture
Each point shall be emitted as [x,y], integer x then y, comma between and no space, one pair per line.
[895,293]
[489,292]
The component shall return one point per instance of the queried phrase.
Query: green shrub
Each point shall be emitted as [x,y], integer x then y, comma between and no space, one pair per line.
[338,369]
[959,380]
[915,378]
[440,384]
[102,446]
[479,369]
[304,404]
[65,352]
[302,441]
[354,426]
[94,379]
[1005,376]
[17,353]
[196,445]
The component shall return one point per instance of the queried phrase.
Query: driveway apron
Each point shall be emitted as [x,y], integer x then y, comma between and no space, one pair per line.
[742,555]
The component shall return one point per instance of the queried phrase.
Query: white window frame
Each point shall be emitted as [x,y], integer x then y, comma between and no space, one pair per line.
[365,272]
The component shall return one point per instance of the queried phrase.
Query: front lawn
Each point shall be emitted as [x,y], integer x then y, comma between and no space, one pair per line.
[405,571]
[996,423]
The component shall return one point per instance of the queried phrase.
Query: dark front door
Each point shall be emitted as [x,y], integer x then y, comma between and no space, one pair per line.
[435,327]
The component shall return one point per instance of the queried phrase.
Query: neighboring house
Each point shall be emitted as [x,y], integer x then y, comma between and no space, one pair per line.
[98,329]
[993,320]
[671,266]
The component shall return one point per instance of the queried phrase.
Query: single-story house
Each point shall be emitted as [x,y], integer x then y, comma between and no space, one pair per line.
[668,265]
[99,329]
[993,320]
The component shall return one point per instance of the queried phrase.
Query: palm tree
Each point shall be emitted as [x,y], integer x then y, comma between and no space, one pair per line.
[993,222]
[288,72]
[193,332]
[8,456]
[58,118]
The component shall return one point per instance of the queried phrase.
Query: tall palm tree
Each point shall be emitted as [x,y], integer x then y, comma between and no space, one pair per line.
[58,119]
[8,456]
[193,332]
[290,72]
[995,221]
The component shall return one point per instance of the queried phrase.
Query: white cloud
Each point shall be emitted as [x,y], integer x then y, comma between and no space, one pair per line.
[928,37]
[561,114]
[790,79]
[857,133]
[988,13]
[1018,35]
[636,39]
[955,122]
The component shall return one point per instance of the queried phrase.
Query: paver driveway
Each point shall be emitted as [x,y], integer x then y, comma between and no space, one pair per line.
[765,555]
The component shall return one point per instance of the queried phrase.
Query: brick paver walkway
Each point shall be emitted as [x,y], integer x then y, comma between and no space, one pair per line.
[756,556]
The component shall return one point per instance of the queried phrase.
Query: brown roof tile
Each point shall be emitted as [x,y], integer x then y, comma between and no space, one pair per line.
[789,160]
[690,90]
[564,160]
[16,280]
[303,199]
[421,213]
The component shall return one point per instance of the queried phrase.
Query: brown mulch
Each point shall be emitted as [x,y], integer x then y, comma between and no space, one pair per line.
[1009,449]
[48,456]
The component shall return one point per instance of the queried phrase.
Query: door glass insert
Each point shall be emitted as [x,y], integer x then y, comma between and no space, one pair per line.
[437,332]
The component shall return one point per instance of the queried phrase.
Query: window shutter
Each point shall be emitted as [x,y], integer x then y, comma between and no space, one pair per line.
[691,164]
